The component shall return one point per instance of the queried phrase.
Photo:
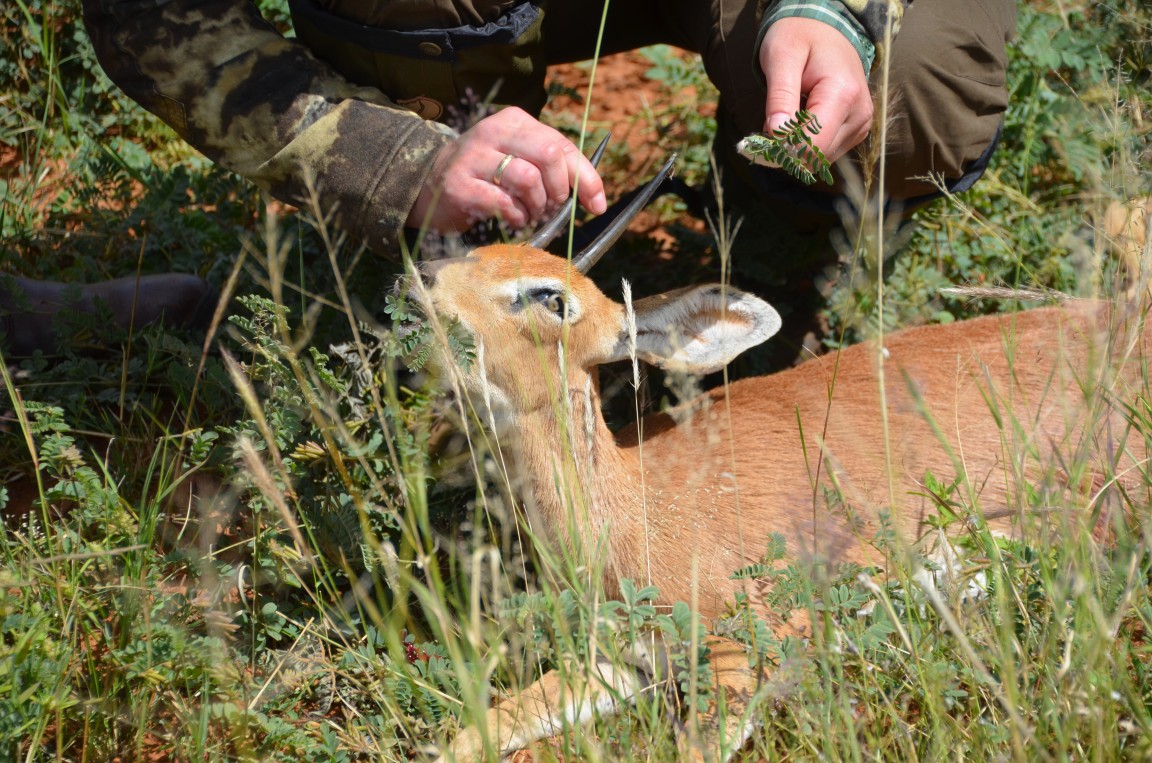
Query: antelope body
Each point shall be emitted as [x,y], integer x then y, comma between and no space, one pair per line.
[684,498]
[687,497]
[989,400]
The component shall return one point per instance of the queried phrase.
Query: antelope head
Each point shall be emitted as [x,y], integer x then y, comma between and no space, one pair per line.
[541,326]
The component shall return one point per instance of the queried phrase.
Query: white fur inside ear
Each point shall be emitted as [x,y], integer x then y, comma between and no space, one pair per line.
[700,329]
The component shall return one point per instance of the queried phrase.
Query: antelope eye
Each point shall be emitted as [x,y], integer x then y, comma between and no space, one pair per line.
[551,299]
[554,303]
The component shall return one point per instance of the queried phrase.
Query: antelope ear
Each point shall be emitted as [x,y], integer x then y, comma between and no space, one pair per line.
[699,329]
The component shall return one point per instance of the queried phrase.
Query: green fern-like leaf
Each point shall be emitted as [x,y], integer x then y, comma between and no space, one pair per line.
[752,572]
[790,148]
[775,551]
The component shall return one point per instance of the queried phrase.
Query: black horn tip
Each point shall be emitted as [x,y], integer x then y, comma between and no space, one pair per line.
[584,261]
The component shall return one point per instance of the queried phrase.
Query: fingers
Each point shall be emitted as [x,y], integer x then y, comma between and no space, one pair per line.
[811,64]
[845,117]
[555,164]
[586,180]
[508,166]
[546,160]
[783,58]
[525,186]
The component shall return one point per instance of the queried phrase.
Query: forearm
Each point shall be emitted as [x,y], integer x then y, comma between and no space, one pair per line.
[264,107]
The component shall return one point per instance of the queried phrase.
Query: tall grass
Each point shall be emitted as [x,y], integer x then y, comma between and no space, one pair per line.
[284,544]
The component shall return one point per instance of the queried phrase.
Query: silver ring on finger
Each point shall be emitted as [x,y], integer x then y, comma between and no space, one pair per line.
[498,175]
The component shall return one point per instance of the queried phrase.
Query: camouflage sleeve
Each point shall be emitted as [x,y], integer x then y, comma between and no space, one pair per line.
[863,22]
[263,106]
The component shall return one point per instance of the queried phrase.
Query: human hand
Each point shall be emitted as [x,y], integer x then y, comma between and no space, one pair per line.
[810,64]
[471,181]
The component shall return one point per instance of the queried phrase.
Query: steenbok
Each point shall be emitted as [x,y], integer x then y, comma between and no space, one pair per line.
[685,497]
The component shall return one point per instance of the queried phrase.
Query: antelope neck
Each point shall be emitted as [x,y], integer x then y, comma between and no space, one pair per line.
[583,485]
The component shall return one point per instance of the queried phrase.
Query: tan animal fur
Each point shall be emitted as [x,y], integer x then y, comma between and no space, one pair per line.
[1126,230]
[990,400]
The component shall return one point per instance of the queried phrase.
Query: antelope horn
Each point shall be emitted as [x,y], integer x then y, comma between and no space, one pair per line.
[551,229]
[584,261]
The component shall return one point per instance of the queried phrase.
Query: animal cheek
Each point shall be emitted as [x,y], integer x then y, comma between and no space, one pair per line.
[592,350]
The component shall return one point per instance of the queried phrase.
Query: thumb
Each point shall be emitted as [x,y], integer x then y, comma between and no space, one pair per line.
[783,75]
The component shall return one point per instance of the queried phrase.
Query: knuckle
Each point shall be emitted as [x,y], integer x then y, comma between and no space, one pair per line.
[553,151]
[514,114]
[478,131]
[846,94]
[532,173]
[860,96]
[783,101]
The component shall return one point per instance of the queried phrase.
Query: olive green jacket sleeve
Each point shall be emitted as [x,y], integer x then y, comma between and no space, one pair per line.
[261,105]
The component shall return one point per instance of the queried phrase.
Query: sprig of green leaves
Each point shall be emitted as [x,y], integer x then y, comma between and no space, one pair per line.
[790,148]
